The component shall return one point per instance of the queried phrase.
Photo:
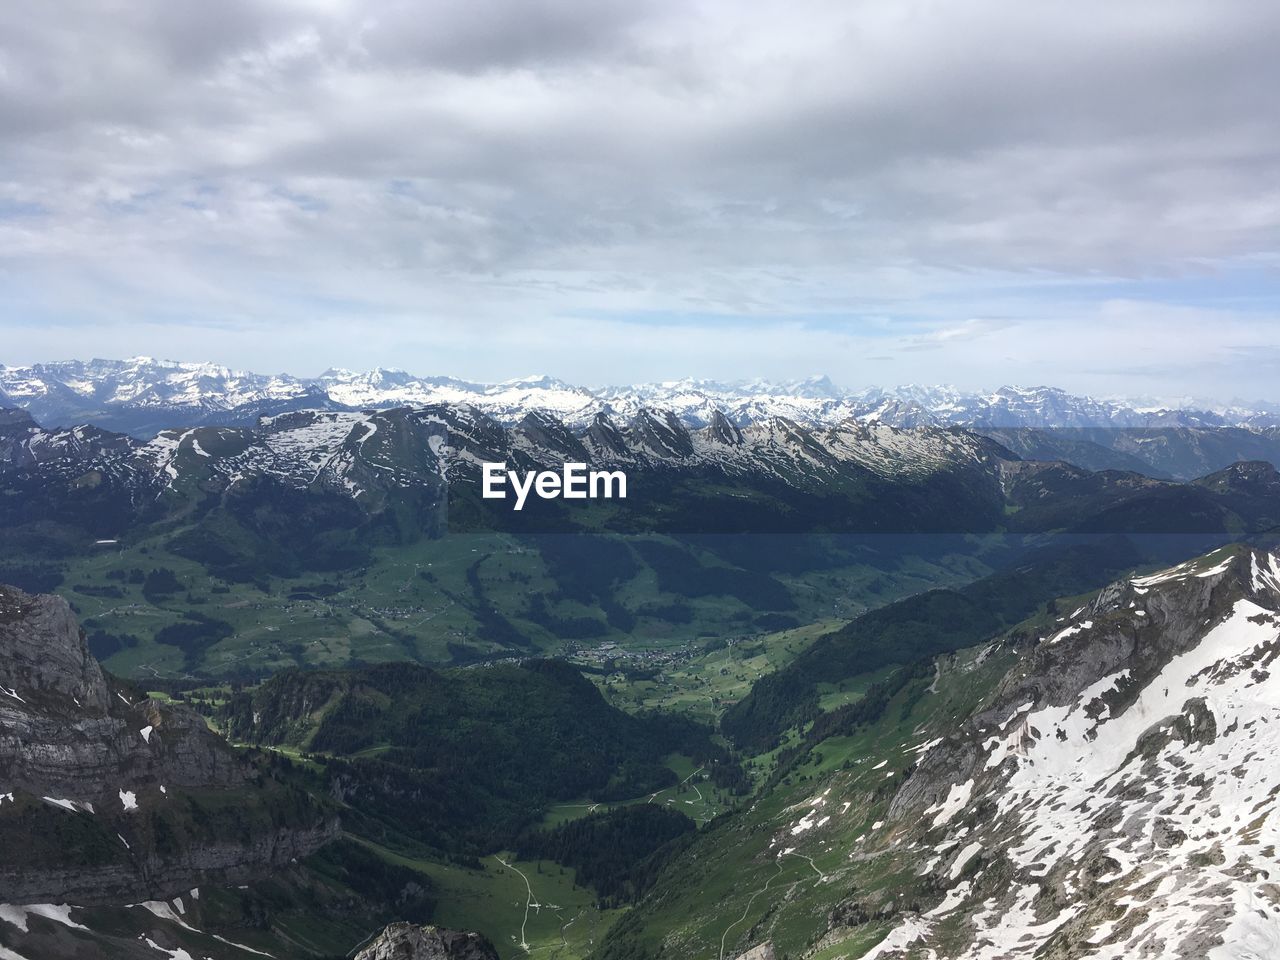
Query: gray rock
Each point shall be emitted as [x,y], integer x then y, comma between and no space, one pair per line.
[71,733]
[43,652]
[405,941]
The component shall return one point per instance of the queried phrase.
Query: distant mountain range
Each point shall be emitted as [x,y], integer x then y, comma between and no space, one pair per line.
[142,397]
[133,395]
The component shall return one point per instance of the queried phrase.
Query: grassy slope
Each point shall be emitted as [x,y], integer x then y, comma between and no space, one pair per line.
[694,796]
[750,878]
[711,895]
[571,927]
[561,922]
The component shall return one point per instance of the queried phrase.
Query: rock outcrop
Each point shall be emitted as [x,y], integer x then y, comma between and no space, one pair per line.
[763,951]
[107,796]
[405,941]
[66,730]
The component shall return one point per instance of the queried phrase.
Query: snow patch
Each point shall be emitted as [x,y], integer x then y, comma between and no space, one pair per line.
[967,853]
[75,806]
[910,931]
[952,804]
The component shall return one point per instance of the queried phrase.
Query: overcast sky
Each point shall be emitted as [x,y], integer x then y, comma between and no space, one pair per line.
[1081,193]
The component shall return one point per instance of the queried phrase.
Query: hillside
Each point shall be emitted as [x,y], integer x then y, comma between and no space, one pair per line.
[1096,783]
[460,762]
[925,817]
[159,788]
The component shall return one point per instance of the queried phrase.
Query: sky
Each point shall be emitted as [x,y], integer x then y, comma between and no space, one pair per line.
[1084,194]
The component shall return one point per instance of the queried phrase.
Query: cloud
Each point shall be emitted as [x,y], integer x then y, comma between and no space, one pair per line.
[807,164]
[975,328]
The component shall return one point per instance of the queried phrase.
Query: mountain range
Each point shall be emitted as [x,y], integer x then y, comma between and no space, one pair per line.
[143,396]
[194,547]
[344,469]
[174,394]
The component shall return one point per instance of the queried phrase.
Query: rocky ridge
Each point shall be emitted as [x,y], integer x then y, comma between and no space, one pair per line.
[405,941]
[340,470]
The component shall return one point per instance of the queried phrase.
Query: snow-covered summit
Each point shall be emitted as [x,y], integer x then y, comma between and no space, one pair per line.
[142,395]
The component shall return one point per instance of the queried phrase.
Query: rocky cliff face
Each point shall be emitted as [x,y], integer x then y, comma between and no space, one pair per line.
[107,796]
[405,941]
[1118,794]
[66,730]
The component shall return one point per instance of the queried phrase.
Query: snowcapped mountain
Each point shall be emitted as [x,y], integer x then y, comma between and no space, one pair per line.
[412,472]
[507,401]
[1115,795]
[375,454]
[143,382]
[143,395]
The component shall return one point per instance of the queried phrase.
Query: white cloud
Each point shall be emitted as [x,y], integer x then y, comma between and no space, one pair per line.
[813,175]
